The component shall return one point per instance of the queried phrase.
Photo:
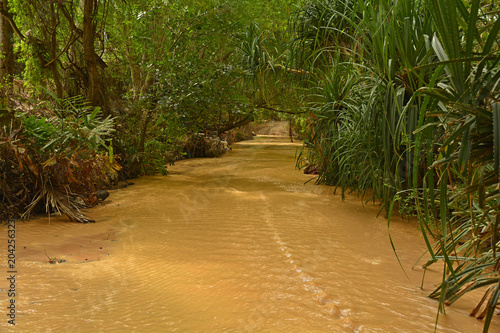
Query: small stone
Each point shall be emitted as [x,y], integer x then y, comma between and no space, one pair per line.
[102,194]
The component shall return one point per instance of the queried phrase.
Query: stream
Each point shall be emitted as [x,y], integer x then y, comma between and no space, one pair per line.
[238,243]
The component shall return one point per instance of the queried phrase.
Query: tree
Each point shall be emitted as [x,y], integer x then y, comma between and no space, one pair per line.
[93,87]
[6,50]
[59,45]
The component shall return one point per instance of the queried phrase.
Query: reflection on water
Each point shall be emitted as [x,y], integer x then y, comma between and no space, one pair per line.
[233,244]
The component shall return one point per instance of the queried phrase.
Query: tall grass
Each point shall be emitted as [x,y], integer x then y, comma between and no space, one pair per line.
[408,106]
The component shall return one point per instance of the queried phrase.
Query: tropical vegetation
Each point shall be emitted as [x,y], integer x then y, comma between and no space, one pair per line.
[397,101]
[406,111]
[97,91]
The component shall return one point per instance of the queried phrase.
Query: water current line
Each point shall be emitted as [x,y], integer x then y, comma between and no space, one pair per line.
[307,281]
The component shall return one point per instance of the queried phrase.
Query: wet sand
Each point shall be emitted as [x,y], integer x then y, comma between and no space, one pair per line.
[76,244]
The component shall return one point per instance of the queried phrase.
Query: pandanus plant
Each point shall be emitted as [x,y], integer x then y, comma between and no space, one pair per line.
[421,125]
[467,164]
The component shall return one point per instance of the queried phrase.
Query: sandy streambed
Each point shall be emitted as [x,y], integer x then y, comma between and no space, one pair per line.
[232,244]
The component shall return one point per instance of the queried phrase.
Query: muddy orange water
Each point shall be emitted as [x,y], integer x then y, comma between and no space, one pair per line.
[232,244]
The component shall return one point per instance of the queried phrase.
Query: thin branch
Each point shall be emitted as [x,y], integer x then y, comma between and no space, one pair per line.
[231,125]
[6,15]
[71,42]
[177,39]
[279,111]
[70,20]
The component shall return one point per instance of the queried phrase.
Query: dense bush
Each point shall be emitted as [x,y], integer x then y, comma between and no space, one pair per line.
[57,161]
[408,108]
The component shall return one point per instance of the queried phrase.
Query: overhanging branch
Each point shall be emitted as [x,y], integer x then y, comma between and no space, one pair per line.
[63,51]
[6,15]
[265,107]
[230,126]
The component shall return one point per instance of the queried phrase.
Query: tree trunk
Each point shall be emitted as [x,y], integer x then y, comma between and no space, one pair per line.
[53,54]
[93,95]
[148,82]
[135,72]
[6,49]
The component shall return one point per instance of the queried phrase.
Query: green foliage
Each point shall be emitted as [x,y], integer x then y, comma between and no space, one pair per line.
[399,98]
[32,71]
[409,110]
[59,160]
[76,126]
[321,24]
[178,60]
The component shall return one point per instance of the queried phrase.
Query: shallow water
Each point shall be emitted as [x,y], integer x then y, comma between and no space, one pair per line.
[233,244]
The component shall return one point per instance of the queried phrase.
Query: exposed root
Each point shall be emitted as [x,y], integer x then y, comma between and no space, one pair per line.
[62,203]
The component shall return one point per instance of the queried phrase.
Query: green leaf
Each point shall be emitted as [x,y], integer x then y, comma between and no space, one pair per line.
[110,152]
[465,148]
[492,304]
[496,136]
[472,29]
[492,38]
